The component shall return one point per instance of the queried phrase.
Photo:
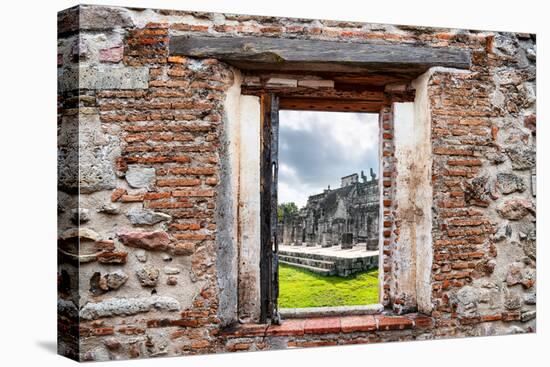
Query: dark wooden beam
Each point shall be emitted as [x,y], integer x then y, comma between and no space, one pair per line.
[366,95]
[262,53]
[366,80]
[266,182]
[329,104]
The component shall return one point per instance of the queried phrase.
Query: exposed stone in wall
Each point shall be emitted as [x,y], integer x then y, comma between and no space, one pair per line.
[153,241]
[522,157]
[140,177]
[97,155]
[104,18]
[146,131]
[147,275]
[127,306]
[515,209]
[147,217]
[100,284]
[508,183]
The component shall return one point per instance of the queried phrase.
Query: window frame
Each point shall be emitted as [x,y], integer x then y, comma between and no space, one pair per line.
[269,286]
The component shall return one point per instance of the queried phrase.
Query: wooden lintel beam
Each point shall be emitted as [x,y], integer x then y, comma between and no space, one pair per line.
[253,53]
[326,104]
[322,93]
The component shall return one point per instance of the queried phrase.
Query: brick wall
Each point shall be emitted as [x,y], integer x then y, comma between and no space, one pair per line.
[145,131]
[390,231]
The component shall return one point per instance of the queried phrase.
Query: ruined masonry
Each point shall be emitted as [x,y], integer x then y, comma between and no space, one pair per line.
[346,217]
[158,208]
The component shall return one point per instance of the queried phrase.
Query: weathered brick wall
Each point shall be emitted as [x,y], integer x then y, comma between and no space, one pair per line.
[484,155]
[389,232]
[141,147]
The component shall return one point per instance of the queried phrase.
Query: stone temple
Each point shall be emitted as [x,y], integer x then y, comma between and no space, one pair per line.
[346,216]
[336,232]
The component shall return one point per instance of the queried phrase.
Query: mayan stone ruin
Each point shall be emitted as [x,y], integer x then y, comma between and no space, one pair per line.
[167,172]
[345,216]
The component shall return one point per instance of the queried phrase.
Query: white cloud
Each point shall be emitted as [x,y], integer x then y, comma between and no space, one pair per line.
[317,148]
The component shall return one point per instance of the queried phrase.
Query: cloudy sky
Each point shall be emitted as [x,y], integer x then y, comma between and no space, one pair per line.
[317,148]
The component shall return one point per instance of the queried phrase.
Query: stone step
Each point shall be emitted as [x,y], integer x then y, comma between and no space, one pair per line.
[342,263]
[310,268]
[305,255]
[323,264]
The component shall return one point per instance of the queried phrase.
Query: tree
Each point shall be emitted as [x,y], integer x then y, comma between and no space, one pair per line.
[286,210]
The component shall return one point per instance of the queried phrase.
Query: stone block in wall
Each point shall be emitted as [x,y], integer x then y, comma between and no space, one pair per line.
[98,152]
[140,177]
[103,18]
[103,77]
[127,306]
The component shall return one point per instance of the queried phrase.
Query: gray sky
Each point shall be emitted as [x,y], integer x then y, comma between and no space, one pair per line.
[317,148]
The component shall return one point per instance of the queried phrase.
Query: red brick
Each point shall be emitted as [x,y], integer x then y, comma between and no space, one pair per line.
[423,322]
[457,172]
[470,320]
[351,324]
[239,346]
[271,29]
[200,344]
[192,171]
[246,330]
[185,323]
[131,198]
[185,226]
[179,182]
[191,236]
[103,331]
[197,193]
[495,317]
[464,162]
[456,194]
[452,151]
[393,323]
[130,330]
[474,122]
[177,59]
[117,194]
[468,222]
[188,27]
[156,195]
[322,325]
[287,328]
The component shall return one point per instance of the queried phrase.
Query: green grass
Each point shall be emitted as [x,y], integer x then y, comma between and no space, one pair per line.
[300,288]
